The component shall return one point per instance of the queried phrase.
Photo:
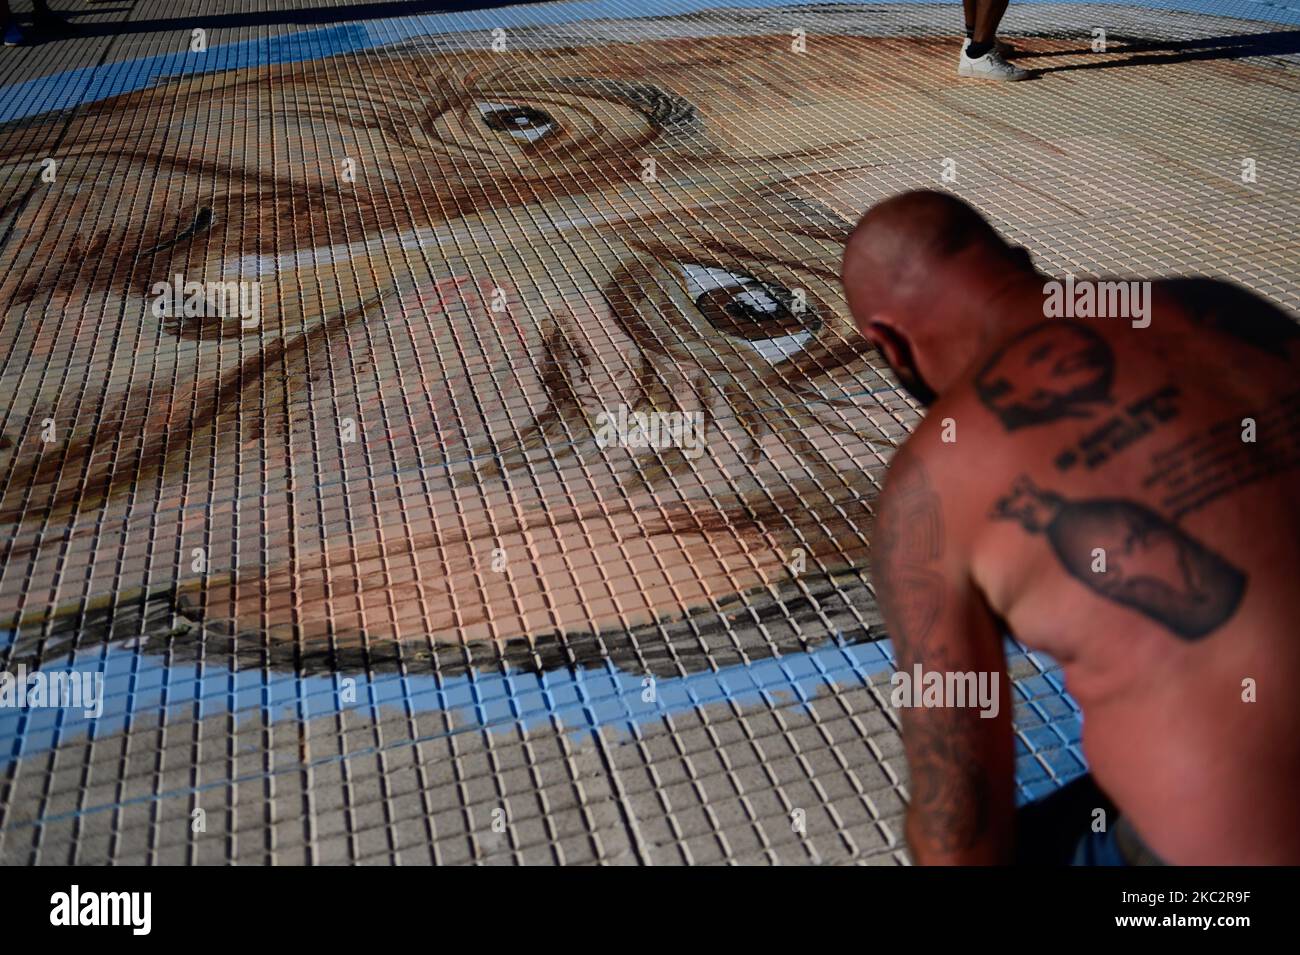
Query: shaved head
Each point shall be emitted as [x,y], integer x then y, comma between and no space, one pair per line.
[918,268]
[903,246]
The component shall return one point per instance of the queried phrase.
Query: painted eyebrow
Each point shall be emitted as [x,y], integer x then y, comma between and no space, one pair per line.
[817,217]
[665,110]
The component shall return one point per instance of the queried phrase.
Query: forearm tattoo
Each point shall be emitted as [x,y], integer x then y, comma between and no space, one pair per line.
[950,787]
[906,547]
[1131,555]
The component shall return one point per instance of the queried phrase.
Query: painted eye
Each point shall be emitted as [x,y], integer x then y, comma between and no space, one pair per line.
[524,123]
[769,318]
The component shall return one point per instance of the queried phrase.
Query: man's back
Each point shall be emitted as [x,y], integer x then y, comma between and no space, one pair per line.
[1124,498]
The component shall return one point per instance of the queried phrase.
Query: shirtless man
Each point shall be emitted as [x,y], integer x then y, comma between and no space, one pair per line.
[1118,492]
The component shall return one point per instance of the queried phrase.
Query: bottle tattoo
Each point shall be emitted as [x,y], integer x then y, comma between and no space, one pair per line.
[1131,555]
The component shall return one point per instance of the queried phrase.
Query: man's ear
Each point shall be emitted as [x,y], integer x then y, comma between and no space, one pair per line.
[898,350]
[891,343]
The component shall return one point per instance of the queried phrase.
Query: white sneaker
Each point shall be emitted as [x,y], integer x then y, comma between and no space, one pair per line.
[1003,48]
[990,66]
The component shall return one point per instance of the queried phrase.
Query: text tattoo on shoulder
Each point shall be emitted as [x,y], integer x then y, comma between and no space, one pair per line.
[1117,433]
[1219,461]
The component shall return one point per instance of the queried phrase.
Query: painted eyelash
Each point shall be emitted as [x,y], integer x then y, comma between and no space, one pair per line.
[203,221]
[701,279]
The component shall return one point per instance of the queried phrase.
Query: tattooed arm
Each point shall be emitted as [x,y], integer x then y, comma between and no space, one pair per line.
[961,764]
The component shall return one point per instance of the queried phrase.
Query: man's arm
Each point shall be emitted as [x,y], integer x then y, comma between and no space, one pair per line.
[961,764]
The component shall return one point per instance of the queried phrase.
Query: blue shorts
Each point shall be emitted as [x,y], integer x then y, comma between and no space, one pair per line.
[1057,830]
[1099,848]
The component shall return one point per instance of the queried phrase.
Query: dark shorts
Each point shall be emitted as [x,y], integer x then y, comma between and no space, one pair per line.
[1058,830]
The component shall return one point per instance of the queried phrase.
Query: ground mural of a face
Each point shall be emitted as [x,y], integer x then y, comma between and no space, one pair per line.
[461,265]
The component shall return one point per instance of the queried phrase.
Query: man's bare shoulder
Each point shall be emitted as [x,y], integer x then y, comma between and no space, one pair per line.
[942,465]
[953,435]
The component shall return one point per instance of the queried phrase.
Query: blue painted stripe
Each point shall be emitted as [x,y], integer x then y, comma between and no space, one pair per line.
[76,87]
[580,702]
